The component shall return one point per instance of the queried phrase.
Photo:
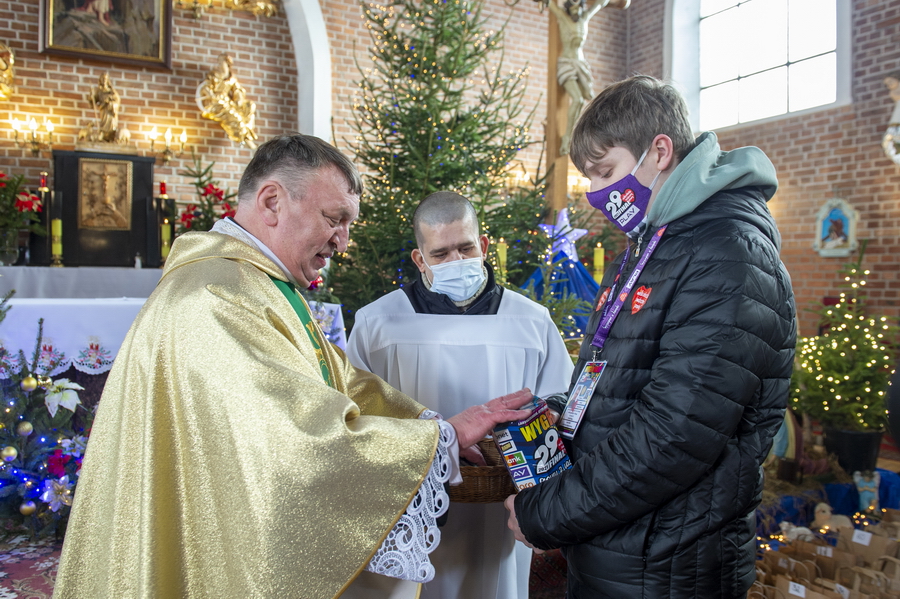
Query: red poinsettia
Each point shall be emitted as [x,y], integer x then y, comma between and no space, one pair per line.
[56,463]
[26,202]
[212,190]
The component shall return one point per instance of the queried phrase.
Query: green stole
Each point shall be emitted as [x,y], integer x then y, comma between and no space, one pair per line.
[311,328]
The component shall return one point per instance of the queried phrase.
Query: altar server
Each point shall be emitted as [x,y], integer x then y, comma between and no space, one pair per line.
[235,453]
[447,339]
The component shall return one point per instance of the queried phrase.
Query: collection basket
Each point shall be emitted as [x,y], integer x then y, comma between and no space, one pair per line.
[484,484]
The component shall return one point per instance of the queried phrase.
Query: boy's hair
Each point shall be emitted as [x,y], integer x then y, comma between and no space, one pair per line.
[630,114]
[293,158]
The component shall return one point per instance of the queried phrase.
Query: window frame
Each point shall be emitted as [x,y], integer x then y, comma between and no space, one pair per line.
[681,59]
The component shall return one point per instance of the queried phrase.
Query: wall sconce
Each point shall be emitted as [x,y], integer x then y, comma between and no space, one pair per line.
[32,139]
[168,153]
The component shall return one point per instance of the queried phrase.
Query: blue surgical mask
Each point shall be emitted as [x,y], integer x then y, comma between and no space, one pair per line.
[459,280]
[624,202]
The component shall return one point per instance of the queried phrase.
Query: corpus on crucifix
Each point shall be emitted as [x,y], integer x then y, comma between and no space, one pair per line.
[572,71]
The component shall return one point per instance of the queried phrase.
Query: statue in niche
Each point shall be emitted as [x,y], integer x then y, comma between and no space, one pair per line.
[572,70]
[105,129]
[221,98]
[7,72]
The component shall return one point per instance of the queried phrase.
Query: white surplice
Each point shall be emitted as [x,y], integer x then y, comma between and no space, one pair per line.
[450,362]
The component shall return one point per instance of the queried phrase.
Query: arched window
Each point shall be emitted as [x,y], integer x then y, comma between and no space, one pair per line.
[738,61]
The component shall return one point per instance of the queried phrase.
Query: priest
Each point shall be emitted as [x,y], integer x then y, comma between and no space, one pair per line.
[449,338]
[235,453]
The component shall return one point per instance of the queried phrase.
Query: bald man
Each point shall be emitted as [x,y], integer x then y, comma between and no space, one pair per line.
[448,339]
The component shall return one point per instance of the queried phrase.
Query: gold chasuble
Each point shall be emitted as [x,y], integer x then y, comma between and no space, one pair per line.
[221,464]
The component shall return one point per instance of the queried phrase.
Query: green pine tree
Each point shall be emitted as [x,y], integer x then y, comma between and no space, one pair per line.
[841,377]
[423,125]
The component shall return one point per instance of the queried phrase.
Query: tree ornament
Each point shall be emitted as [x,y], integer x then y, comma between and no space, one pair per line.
[9,453]
[24,428]
[29,384]
[27,508]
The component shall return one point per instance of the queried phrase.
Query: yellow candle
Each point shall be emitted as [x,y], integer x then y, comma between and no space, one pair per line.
[166,236]
[56,237]
[599,262]
[501,254]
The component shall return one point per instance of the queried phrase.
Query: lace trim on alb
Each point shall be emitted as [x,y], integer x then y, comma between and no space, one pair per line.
[404,553]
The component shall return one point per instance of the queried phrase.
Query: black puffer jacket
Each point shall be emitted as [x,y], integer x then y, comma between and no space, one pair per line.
[660,501]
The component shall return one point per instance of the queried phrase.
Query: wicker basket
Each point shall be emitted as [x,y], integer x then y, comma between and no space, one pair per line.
[484,484]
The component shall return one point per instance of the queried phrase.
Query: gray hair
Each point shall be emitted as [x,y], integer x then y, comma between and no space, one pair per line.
[292,159]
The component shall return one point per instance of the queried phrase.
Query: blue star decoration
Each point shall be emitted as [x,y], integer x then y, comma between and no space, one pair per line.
[563,235]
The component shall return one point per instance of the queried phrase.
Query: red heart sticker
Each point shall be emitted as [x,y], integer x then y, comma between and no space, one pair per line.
[628,196]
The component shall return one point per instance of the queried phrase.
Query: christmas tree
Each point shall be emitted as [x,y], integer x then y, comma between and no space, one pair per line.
[842,375]
[43,434]
[424,125]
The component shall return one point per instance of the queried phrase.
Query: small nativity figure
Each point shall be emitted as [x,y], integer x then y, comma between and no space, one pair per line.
[867,487]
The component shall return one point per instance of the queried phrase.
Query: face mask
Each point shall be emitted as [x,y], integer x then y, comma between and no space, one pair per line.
[624,202]
[459,280]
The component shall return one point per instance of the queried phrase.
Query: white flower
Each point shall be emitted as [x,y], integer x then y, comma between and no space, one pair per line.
[75,446]
[62,393]
[57,493]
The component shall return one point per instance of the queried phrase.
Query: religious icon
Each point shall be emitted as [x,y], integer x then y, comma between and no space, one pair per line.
[104,199]
[836,229]
[221,98]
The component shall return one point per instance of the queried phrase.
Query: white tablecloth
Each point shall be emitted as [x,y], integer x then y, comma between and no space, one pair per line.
[79,282]
[85,333]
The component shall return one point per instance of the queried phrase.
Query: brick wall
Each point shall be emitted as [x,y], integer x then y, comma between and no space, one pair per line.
[55,87]
[818,156]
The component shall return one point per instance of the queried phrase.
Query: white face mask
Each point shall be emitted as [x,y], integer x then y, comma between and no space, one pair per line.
[458,280]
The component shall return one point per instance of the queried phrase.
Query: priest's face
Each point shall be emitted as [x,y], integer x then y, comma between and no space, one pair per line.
[314,224]
[448,242]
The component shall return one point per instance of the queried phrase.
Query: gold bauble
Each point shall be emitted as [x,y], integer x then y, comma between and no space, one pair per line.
[27,508]
[29,383]
[9,453]
[24,428]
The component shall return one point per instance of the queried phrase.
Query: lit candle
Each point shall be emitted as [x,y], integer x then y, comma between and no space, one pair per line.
[183,139]
[162,190]
[501,254]
[43,184]
[599,262]
[56,237]
[48,125]
[17,125]
[168,137]
[32,124]
[165,232]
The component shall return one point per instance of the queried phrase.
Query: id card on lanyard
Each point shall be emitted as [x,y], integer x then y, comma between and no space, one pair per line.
[583,390]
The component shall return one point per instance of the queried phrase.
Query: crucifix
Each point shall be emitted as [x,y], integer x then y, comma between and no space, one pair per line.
[568,74]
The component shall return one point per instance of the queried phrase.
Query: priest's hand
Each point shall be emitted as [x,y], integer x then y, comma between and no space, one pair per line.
[513,524]
[474,423]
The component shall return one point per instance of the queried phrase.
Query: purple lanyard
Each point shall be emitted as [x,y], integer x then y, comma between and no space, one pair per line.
[612,311]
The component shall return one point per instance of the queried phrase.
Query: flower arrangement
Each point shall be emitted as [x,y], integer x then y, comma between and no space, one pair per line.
[841,376]
[19,208]
[43,435]
[212,201]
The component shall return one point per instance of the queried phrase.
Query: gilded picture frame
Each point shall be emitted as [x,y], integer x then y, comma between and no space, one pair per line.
[136,32]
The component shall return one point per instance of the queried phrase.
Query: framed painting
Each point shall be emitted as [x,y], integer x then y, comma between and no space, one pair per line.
[137,32]
[836,229]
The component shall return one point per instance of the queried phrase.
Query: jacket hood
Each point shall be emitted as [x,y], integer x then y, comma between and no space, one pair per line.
[209,245]
[707,170]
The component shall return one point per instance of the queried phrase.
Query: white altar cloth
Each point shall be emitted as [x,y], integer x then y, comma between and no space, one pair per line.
[85,333]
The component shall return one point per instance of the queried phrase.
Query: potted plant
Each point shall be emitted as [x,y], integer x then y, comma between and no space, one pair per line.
[18,212]
[841,376]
